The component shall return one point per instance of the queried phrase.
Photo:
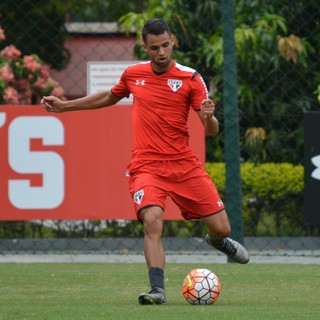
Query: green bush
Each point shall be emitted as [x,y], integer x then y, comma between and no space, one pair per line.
[272,196]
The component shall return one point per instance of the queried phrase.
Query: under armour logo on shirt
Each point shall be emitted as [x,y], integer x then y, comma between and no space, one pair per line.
[140,82]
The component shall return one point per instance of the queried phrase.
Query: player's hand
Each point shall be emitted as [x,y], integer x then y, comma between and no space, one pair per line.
[52,104]
[207,108]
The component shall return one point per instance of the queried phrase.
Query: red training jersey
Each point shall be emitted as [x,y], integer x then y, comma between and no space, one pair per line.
[160,109]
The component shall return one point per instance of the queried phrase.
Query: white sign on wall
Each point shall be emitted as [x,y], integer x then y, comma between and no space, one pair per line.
[103,76]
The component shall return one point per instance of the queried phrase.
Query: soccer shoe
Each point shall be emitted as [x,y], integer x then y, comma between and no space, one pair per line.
[232,249]
[155,296]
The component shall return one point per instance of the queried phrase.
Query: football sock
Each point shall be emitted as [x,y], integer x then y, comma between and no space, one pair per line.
[156,277]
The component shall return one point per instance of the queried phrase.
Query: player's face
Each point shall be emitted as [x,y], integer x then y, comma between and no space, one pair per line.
[159,49]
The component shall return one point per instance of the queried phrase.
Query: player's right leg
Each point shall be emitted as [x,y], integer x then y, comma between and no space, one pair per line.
[149,201]
[154,254]
[155,296]
[218,237]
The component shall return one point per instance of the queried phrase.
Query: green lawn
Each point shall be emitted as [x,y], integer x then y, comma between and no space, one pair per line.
[40,291]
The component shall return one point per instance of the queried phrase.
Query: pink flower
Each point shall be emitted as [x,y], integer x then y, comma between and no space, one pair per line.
[10,52]
[26,94]
[6,73]
[24,99]
[24,79]
[23,85]
[2,35]
[58,92]
[40,84]
[10,96]
[30,77]
[31,63]
[45,71]
[52,83]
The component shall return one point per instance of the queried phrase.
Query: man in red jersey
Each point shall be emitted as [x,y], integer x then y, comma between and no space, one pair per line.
[163,163]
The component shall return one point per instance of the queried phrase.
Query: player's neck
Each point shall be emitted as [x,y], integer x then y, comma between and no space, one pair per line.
[158,70]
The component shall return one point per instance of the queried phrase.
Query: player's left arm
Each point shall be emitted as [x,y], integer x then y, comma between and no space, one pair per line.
[206,115]
[204,106]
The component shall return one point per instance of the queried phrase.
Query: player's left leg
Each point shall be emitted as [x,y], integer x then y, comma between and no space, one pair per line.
[198,198]
[218,237]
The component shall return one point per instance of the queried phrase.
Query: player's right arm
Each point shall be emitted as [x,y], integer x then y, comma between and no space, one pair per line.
[94,101]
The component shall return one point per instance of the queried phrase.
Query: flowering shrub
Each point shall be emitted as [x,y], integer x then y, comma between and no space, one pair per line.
[24,79]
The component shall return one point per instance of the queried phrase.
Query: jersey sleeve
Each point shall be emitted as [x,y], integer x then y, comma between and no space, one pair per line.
[121,89]
[199,92]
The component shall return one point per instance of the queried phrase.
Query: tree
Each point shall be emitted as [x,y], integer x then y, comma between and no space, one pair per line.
[102,11]
[278,70]
[278,66]
[40,29]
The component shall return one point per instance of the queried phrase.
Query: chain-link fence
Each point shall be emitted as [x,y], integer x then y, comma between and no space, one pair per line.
[278,76]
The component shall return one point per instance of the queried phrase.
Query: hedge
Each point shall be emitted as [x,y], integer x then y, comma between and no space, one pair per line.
[272,196]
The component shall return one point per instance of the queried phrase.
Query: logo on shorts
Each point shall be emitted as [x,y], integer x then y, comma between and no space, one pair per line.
[174,84]
[137,197]
[219,203]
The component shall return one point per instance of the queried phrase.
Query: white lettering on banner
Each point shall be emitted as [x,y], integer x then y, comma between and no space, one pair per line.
[316,173]
[47,163]
[3,118]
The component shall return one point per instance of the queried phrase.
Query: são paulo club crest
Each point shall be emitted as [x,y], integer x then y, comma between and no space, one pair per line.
[174,84]
[137,197]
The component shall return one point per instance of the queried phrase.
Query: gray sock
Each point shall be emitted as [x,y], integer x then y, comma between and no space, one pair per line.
[156,277]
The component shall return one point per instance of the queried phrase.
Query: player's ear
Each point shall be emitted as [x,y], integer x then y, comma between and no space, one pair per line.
[143,45]
[173,39]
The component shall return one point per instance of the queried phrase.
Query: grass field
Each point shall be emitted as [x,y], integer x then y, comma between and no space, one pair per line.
[109,291]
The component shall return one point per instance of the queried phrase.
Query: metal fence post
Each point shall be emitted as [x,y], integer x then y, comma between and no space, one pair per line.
[233,197]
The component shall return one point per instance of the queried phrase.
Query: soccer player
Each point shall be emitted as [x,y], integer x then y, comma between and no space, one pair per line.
[163,162]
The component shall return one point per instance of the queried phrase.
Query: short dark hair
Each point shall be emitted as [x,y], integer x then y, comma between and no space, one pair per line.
[155,27]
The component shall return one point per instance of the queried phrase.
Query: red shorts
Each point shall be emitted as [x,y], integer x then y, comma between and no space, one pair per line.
[185,181]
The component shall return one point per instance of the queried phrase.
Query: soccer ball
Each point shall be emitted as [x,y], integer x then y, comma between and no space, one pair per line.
[201,286]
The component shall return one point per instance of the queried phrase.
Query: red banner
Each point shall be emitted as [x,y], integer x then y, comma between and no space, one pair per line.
[70,166]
